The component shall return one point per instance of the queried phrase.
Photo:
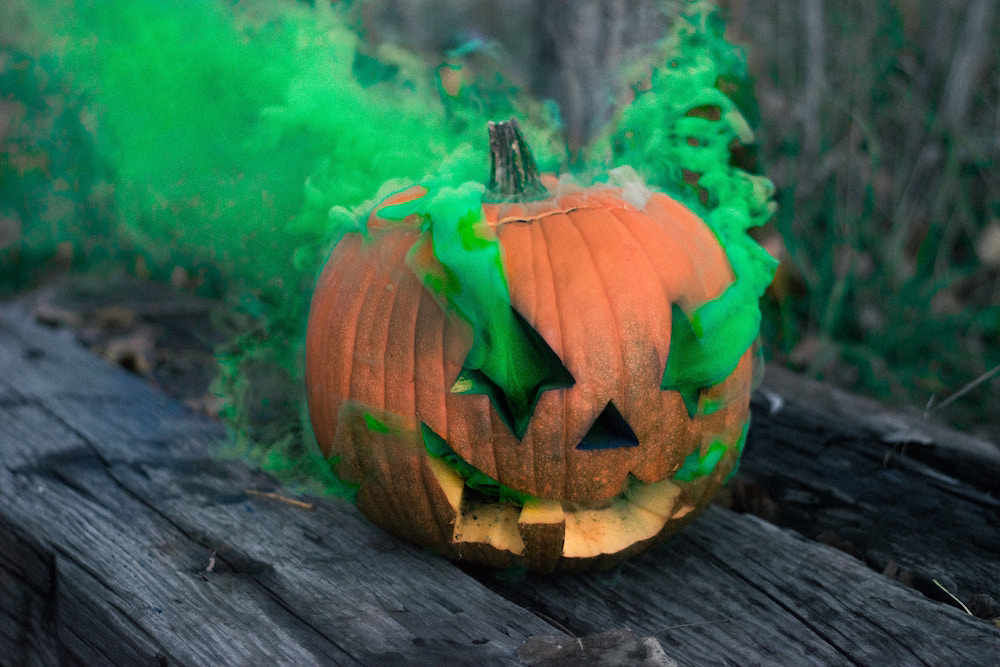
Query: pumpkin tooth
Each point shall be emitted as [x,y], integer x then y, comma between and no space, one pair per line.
[475,523]
[659,499]
[451,482]
[542,525]
[489,524]
[629,520]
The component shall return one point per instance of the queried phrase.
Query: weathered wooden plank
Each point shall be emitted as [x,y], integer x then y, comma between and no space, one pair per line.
[732,589]
[854,473]
[832,465]
[112,510]
[909,435]
[119,529]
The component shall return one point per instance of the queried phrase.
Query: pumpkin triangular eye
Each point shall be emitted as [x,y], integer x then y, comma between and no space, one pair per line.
[609,431]
[532,368]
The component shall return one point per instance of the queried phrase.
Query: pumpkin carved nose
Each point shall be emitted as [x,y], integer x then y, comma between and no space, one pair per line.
[609,431]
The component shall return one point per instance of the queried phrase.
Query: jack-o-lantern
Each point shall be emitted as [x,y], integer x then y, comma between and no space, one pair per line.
[525,377]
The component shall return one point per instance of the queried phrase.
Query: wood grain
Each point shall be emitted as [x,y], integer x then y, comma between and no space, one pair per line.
[112,508]
[897,490]
[125,540]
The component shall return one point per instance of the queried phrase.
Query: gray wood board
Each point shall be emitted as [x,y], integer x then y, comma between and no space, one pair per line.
[733,589]
[112,509]
[851,472]
[123,540]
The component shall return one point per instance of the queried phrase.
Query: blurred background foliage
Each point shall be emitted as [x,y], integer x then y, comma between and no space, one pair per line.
[880,125]
[205,144]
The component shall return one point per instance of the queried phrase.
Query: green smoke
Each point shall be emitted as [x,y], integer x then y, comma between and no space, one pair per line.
[679,134]
[234,136]
[240,140]
[230,131]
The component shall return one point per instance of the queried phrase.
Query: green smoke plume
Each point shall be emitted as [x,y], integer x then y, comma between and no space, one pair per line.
[238,140]
[234,136]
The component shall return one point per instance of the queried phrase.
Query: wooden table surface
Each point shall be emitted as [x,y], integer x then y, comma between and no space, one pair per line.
[125,541]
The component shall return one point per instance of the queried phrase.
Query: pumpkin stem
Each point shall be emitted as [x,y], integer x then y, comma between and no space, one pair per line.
[513,173]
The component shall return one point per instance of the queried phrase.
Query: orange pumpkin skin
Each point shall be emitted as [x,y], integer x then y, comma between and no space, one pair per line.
[596,277]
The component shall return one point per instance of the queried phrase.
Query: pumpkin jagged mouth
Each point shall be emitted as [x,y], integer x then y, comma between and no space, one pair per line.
[634,516]
[471,516]
[488,512]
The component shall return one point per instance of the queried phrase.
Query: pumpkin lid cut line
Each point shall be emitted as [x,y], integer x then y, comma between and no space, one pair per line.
[529,217]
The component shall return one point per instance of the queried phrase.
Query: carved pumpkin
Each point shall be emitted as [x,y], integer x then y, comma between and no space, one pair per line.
[530,380]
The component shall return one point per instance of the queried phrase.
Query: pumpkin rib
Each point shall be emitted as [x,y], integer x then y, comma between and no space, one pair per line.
[443,375]
[416,356]
[401,453]
[423,333]
[507,451]
[643,254]
[644,245]
[658,439]
[538,236]
[469,415]
[376,323]
[661,337]
[466,415]
[526,254]
[640,361]
[398,469]
[518,257]
[405,401]
[542,275]
[371,340]
[702,293]
[497,425]
[670,250]
[432,490]
[646,356]
[618,324]
[685,256]
[393,321]
[560,488]
[418,513]
[430,389]
[580,480]
[690,234]
[346,317]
